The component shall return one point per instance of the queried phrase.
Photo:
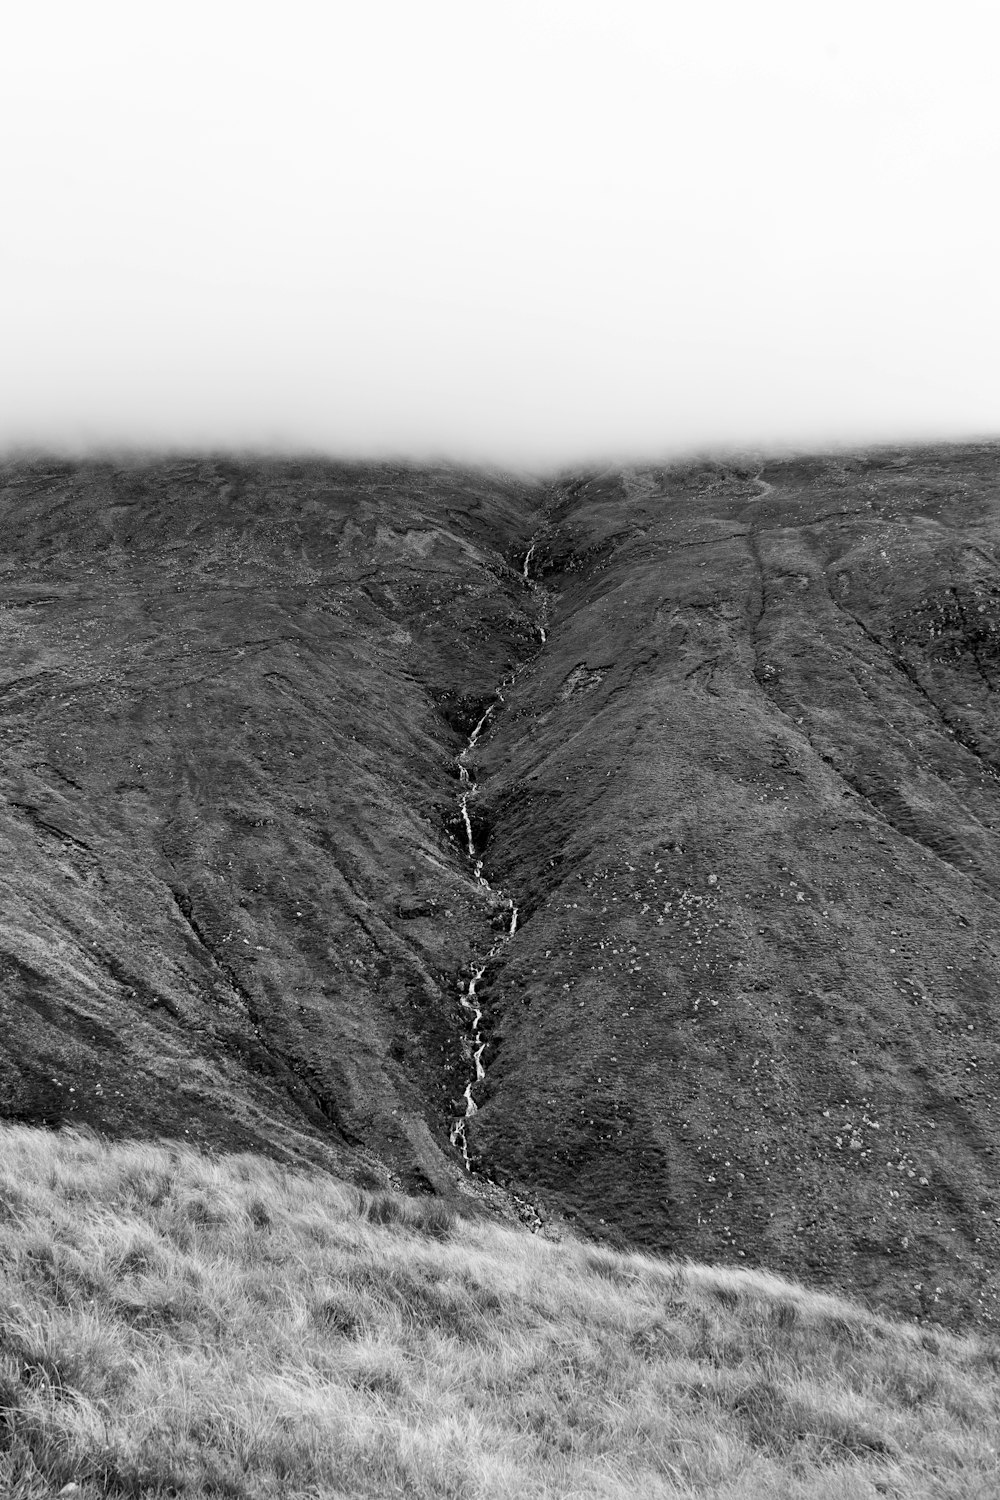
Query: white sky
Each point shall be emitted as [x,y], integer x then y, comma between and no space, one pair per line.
[524,232]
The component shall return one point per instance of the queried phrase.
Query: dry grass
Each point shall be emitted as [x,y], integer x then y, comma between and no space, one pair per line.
[177,1325]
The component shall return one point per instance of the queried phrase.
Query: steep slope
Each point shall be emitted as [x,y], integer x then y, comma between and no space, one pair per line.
[741,787]
[231,699]
[749,798]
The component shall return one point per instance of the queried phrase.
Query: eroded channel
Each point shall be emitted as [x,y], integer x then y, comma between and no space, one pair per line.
[468,999]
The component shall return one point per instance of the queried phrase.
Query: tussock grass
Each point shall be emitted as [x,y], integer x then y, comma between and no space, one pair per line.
[172,1324]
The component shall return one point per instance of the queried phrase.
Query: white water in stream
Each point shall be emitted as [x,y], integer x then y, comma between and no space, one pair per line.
[468,998]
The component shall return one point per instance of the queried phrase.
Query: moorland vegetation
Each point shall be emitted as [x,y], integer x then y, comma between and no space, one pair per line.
[743,786]
[179,1324]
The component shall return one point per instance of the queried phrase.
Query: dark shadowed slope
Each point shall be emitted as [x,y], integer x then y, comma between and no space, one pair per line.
[745,796]
[748,795]
[232,907]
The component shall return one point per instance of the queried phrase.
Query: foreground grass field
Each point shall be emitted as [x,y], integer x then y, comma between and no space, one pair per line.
[172,1324]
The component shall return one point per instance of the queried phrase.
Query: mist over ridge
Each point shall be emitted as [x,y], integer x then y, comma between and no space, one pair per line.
[531,241]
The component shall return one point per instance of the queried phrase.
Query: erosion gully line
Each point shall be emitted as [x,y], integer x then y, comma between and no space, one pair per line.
[525,574]
[468,999]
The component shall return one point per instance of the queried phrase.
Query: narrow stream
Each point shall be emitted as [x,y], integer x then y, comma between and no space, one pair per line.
[468,998]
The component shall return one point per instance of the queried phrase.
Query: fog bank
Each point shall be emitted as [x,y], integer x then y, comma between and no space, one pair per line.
[528,234]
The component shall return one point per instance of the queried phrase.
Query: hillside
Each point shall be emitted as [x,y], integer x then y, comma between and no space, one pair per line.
[741,788]
[173,1325]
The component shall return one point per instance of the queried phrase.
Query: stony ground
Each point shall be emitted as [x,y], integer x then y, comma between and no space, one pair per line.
[744,793]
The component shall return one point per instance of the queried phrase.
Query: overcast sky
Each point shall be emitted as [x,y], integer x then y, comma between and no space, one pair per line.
[526,232]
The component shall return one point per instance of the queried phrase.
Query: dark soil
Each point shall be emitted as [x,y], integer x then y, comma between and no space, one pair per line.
[745,795]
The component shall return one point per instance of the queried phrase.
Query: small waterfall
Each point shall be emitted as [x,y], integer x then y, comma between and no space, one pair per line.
[469,1002]
[467,988]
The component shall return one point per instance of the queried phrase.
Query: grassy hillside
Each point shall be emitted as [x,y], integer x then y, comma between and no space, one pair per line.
[747,797]
[233,907]
[742,785]
[173,1324]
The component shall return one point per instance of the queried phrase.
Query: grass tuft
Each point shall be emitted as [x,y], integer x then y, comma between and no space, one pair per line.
[423,1216]
[175,1325]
